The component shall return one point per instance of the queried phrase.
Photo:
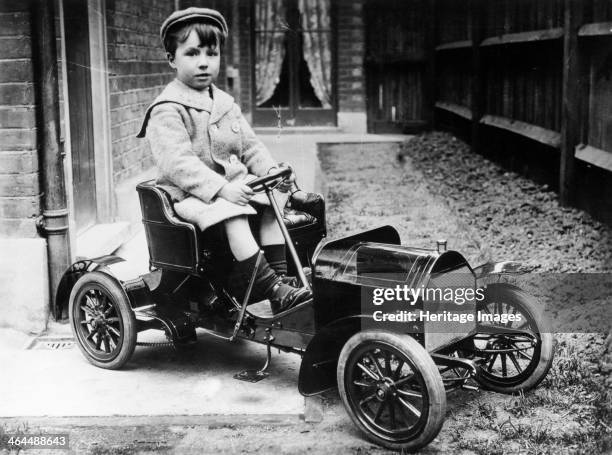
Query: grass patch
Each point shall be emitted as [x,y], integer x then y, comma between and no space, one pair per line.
[129,449]
[569,369]
[569,413]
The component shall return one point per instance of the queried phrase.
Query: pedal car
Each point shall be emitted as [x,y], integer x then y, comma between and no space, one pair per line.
[392,377]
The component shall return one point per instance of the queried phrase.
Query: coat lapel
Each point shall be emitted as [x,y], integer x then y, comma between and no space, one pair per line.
[177,92]
[222,104]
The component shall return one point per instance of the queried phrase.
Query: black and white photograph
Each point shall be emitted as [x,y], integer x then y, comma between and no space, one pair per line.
[306,227]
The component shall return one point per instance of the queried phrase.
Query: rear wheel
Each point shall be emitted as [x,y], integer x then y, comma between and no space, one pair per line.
[517,357]
[102,320]
[391,389]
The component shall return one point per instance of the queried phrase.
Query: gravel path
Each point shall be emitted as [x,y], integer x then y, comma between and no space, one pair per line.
[513,217]
[370,187]
[439,189]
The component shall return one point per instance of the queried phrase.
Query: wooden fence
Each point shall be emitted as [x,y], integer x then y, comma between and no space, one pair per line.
[538,69]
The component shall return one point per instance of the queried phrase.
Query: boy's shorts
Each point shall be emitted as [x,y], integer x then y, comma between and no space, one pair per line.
[198,212]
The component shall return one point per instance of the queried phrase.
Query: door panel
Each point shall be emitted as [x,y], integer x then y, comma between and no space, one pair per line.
[79,102]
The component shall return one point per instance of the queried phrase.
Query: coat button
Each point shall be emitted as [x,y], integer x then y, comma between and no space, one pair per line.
[235,127]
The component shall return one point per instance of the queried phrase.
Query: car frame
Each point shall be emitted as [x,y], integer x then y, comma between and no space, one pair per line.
[392,378]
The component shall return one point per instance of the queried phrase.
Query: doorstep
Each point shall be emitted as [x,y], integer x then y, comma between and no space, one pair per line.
[297,130]
[102,239]
[106,238]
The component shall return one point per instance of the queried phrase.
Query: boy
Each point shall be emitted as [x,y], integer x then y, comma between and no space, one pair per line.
[205,152]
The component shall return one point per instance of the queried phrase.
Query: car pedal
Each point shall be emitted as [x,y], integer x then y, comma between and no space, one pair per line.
[258,375]
[475,388]
[251,375]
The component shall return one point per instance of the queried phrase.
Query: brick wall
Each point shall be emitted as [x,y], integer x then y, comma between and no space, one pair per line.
[351,42]
[138,71]
[19,178]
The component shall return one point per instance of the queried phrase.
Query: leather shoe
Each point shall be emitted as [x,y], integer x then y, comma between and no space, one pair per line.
[284,297]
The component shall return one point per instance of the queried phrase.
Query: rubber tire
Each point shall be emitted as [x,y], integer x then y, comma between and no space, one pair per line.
[515,296]
[114,291]
[431,377]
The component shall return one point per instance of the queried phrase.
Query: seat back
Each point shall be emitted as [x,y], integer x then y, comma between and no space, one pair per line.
[173,243]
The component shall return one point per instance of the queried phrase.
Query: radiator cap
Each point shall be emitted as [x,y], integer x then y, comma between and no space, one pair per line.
[441,245]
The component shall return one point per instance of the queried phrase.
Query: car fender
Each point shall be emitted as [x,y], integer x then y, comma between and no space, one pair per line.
[74,272]
[494,272]
[318,367]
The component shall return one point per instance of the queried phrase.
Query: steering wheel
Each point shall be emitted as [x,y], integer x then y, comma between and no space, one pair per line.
[269,181]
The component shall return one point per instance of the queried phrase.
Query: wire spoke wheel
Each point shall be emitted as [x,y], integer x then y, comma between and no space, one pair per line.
[509,358]
[390,395]
[391,388]
[99,324]
[513,361]
[102,320]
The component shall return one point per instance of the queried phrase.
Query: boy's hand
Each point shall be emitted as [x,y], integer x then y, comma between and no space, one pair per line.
[236,192]
[287,183]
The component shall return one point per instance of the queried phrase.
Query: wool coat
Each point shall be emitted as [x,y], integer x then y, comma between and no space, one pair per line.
[200,141]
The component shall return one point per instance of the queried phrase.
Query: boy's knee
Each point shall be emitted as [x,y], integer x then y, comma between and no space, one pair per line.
[236,219]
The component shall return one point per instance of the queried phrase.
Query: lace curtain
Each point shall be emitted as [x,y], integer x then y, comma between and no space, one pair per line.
[270,15]
[270,47]
[315,21]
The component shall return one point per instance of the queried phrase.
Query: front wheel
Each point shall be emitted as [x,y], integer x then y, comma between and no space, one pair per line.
[391,389]
[102,320]
[517,354]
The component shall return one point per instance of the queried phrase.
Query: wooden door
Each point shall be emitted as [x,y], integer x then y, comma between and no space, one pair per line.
[396,65]
[79,102]
[294,100]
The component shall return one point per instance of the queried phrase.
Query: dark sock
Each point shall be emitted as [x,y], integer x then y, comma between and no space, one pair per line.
[238,279]
[241,274]
[277,257]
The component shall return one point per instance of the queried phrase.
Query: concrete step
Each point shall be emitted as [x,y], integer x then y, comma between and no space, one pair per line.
[102,239]
[309,130]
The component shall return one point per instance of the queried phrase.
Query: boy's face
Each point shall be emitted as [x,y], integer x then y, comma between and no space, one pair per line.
[196,65]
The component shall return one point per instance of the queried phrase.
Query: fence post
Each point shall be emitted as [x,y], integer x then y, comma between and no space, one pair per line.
[571,102]
[477,89]
[430,54]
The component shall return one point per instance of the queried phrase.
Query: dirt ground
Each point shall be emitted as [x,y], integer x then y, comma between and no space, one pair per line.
[510,216]
[430,188]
